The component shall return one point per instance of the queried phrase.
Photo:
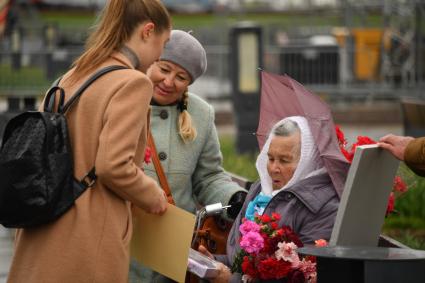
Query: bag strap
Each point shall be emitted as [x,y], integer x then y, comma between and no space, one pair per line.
[87,83]
[159,171]
[90,178]
[49,102]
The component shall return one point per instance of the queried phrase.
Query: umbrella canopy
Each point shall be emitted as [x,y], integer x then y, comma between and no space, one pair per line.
[281,97]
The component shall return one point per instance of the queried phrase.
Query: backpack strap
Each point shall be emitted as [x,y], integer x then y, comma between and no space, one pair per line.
[49,101]
[90,178]
[56,83]
[87,83]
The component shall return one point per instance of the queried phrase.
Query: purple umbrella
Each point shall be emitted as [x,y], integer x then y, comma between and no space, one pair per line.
[281,97]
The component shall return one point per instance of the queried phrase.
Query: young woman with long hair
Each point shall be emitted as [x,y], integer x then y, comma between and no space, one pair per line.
[108,127]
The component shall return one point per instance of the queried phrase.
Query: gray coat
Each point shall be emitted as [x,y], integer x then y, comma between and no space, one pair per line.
[308,207]
[194,170]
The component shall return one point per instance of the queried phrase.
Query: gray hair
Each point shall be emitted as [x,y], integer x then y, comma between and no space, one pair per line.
[286,129]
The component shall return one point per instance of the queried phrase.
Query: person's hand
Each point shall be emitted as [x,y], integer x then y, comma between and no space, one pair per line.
[156,201]
[224,274]
[162,205]
[203,250]
[395,144]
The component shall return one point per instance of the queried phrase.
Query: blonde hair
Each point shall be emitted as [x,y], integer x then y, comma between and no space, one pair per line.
[186,129]
[115,26]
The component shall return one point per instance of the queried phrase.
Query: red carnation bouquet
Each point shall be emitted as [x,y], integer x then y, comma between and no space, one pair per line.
[399,186]
[270,253]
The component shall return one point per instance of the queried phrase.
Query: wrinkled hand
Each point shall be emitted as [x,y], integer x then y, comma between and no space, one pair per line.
[224,272]
[247,279]
[223,276]
[395,144]
[203,250]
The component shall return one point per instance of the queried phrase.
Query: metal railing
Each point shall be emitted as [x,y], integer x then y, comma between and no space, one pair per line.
[330,70]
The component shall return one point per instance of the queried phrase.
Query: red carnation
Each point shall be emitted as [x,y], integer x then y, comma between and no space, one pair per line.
[362,140]
[399,185]
[290,236]
[340,135]
[248,267]
[148,155]
[272,268]
[390,206]
[276,216]
[265,218]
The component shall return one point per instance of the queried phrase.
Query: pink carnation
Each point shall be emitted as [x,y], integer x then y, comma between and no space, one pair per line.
[287,252]
[252,242]
[309,270]
[249,226]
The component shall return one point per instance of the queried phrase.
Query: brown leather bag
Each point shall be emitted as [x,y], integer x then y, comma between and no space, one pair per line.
[214,229]
[213,234]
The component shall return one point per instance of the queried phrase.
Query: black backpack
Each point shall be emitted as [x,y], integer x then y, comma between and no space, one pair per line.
[37,183]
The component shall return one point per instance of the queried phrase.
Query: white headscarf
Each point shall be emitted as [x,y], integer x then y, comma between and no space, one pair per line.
[310,163]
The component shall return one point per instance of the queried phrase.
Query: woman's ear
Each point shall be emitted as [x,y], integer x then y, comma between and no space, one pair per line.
[147,30]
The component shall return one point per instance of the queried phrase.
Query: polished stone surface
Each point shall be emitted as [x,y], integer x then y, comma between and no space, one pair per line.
[364,253]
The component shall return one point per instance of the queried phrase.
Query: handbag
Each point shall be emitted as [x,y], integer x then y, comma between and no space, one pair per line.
[214,229]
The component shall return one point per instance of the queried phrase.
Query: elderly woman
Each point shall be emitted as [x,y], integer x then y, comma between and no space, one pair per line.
[182,125]
[294,183]
[185,137]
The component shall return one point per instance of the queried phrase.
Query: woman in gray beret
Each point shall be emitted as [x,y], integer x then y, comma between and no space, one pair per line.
[185,137]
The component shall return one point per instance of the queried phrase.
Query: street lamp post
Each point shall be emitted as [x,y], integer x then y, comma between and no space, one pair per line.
[246,58]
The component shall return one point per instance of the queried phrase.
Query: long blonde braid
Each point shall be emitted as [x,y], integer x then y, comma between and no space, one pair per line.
[186,129]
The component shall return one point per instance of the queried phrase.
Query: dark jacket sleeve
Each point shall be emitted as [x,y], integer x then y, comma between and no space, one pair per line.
[414,156]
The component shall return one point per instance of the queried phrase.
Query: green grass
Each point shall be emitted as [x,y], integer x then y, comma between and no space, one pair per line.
[212,20]
[407,225]
[26,78]
[68,19]
[242,165]
[412,238]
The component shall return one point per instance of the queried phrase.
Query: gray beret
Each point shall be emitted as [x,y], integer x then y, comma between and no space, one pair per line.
[186,51]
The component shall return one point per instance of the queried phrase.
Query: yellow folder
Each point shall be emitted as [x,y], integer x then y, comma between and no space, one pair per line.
[163,242]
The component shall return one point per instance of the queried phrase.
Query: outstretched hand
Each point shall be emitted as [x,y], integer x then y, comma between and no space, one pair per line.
[224,272]
[395,144]
[203,250]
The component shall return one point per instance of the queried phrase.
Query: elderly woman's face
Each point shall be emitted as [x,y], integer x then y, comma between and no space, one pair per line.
[284,154]
[170,82]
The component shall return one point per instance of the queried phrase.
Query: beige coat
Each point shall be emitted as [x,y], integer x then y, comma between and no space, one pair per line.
[90,242]
[414,156]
